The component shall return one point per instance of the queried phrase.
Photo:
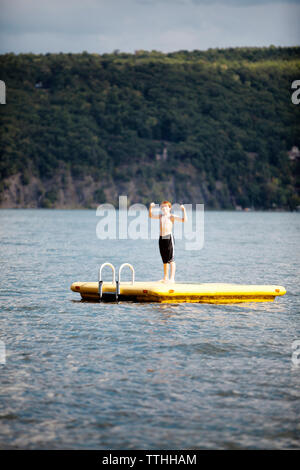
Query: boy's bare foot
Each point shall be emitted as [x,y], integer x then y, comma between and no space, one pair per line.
[172,280]
[163,280]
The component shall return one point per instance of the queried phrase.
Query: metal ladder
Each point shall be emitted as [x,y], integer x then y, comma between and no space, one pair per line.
[114,280]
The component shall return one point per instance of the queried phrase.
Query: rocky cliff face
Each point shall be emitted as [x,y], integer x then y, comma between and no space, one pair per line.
[64,191]
[61,191]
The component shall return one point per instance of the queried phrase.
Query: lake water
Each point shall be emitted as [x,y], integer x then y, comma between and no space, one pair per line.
[82,375]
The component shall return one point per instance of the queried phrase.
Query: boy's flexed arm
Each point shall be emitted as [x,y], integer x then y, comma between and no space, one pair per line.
[152,216]
[181,219]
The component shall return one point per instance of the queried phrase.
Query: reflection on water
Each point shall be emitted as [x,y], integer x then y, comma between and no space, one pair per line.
[147,375]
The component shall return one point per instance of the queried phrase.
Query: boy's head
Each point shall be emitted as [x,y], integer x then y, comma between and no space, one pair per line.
[165,207]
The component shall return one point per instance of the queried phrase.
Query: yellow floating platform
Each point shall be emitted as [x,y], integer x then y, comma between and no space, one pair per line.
[153,291]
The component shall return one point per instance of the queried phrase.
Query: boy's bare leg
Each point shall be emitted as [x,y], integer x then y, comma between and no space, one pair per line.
[166,273]
[173,269]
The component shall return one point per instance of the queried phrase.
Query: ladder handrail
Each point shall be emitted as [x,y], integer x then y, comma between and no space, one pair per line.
[120,269]
[119,277]
[100,282]
[113,270]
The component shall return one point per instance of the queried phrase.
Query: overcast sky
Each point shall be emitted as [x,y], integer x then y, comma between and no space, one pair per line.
[41,26]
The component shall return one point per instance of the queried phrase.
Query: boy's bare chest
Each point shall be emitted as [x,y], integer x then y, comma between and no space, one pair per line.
[166,225]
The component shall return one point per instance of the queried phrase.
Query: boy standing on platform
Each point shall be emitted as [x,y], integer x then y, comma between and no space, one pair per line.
[166,238]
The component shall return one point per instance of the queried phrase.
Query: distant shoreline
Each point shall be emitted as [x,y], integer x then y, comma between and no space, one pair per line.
[93,209]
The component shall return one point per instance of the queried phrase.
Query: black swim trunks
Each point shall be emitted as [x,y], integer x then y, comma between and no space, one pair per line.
[167,247]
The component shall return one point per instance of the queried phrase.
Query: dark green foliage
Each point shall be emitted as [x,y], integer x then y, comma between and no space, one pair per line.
[225,112]
[49,199]
[99,196]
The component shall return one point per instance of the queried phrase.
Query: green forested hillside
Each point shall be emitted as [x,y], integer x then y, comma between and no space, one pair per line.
[212,127]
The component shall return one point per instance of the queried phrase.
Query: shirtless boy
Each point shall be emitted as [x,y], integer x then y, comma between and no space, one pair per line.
[166,238]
